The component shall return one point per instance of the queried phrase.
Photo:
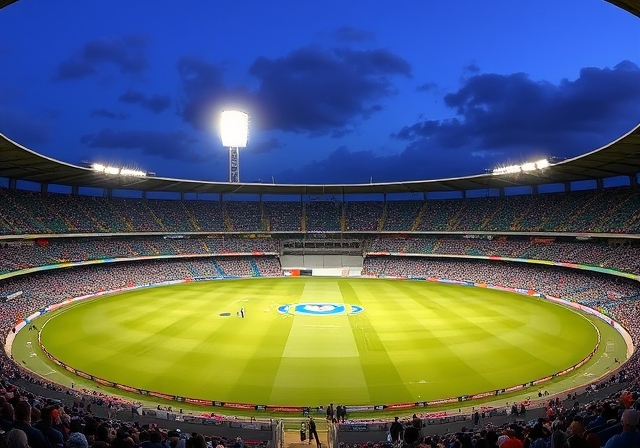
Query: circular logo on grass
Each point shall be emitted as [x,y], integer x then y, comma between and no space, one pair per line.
[320,309]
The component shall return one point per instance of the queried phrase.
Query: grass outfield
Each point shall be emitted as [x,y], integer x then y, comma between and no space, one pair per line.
[413,341]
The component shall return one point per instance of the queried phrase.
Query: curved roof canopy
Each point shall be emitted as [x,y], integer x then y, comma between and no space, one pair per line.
[619,158]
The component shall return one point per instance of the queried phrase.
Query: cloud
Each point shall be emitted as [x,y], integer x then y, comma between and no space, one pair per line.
[176,145]
[349,34]
[497,119]
[155,103]
[311,90]
[471,69]
[427,87]
[128,54]
[319,92]
[516,114]
[205,92]
[105,113]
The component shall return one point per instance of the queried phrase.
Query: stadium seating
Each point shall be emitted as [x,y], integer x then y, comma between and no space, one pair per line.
[612,210]
[228,253]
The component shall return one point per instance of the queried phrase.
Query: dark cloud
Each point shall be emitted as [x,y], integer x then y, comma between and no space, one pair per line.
[427,87]
[498,119]
[517,114]
[73,69]
[155,103]
[471,69]
[319,92]
[349,34]
[205,92]
[105,113]
[176,145]
[128,54]
[311,90]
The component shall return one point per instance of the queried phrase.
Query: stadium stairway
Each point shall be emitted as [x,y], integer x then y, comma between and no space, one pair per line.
[219,269]
[194,272]
[255,269]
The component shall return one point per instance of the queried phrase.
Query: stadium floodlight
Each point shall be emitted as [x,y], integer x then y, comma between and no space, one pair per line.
[541,164]
[525,167]
[111,170]
[114,170]
[130,172]
[234,131]
[509,169]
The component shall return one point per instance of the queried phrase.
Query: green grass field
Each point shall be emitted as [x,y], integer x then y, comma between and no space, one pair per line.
[413,341]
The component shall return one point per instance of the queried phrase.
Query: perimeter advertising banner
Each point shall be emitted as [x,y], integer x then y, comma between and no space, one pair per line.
[199,402]
[296,409]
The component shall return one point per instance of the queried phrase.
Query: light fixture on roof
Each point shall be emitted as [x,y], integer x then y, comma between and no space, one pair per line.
[525,167]
[116,171]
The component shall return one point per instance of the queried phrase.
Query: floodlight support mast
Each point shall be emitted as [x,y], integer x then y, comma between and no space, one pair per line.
[234,127]
[234,165]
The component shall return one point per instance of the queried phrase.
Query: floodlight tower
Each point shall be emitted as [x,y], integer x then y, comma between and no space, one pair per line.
[234,131]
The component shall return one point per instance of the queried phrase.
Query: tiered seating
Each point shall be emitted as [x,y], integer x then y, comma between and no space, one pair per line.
[611,210]
[401,215]
[283,216]
[245,216]
[323,216]
[624,258]
[207,214]
[172,215]
[441,215]
[55,251]
[364,216]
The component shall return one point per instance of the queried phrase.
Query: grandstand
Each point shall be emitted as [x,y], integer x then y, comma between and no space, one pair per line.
[581,246]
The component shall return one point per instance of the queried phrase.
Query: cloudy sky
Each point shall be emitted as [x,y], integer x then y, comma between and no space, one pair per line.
[337,91]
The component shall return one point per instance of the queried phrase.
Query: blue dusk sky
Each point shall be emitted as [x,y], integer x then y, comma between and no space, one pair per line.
[337,91]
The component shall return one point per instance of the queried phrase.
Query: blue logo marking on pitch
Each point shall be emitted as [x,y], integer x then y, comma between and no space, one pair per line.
[284,309]
[320,309]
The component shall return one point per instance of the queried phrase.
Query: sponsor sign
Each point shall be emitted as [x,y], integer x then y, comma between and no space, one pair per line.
[482,395]
[159,395]
[103,382]
[198,402]
[443,401]
[127,388]
[239,405]
[403,405]
[285,408]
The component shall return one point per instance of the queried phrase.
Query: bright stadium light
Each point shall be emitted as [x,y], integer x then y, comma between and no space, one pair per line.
[525,167]
[234,128]
[111,170]
[130,172]
[540,164]
[234,131]
[114,170]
